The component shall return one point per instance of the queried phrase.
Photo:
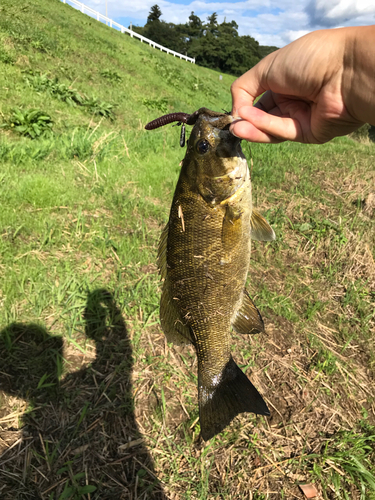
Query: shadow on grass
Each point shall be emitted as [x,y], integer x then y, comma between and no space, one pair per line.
[79,438]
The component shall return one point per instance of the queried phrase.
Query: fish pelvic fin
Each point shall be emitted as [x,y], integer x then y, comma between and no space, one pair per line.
[223,399]
[248,319]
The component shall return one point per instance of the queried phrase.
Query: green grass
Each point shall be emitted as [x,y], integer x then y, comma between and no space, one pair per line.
[88,383]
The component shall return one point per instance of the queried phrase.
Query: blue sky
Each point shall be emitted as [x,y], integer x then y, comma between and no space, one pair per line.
[271,22]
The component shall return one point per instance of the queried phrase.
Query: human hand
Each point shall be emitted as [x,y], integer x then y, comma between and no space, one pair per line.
[308,85]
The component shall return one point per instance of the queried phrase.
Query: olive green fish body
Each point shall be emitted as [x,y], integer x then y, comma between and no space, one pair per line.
[208,259]
[204,257]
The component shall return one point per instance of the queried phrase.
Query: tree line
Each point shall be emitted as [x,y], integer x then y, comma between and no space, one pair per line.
[216,46]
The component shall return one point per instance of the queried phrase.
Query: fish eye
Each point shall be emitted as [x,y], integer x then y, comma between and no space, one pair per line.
[202,146]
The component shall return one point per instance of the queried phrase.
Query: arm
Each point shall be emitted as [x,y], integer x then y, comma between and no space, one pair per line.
[316,88]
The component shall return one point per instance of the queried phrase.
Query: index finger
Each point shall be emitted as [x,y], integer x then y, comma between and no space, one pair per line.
[250,85]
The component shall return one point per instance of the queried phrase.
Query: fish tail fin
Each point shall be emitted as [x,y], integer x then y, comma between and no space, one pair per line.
[224,397]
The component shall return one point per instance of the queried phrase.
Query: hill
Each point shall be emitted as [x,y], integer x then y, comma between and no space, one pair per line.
[94,404]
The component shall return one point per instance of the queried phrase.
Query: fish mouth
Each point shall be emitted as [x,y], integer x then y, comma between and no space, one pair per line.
[221,122]
[229,146]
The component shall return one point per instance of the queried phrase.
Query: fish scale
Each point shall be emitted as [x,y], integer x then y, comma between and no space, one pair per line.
[205,286]
[204,257]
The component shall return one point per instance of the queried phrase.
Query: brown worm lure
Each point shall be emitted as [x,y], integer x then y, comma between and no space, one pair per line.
[182,119]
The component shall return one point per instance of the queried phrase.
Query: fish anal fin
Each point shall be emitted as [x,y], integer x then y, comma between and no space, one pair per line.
[176,331]
[248,319]
[260,229]
[222,400]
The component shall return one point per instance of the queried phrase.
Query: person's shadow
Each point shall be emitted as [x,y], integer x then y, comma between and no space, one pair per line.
[79,437]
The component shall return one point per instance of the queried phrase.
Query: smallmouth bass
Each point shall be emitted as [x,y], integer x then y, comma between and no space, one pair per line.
[204,257]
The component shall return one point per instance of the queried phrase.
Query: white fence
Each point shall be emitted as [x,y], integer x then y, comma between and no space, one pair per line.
[99,17]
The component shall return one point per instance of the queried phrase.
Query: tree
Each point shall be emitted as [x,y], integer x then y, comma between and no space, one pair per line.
[221,48]
[193,30]
[212,24]
[194,22]
[154,14]
[216,46]
[212,19]
[264,50]
[165,34]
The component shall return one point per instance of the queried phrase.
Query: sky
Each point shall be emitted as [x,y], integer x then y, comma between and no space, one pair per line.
[270,22]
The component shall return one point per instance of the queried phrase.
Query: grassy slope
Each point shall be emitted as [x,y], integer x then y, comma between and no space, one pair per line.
[81,347]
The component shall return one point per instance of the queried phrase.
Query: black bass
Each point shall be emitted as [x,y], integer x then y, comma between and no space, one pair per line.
[204,257]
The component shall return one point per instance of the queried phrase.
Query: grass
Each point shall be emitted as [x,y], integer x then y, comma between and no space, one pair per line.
[93,402]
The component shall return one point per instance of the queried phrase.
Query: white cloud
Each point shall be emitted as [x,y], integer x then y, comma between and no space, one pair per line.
[271,22]
[335,12]
[292,35]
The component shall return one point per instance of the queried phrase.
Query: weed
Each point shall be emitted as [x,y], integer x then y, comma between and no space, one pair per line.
[319,229]
[31,123]
[112,76]
[98,107]
[41,83]
[347,458]
[5,57]
[324,361]
[158,104]
[170,75]
[60,91]
[40,45]
[73,489]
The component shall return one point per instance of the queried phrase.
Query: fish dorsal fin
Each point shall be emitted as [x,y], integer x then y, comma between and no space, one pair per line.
[174,328]
[162,253]
[248,318]
[260,229]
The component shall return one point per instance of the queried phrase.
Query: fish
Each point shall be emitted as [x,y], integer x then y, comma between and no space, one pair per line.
[203,260]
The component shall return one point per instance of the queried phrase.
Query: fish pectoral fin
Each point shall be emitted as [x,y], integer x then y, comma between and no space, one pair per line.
[174,328]
[162,252]
[248,319]
[260,229]
[225,396]
[231,229]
